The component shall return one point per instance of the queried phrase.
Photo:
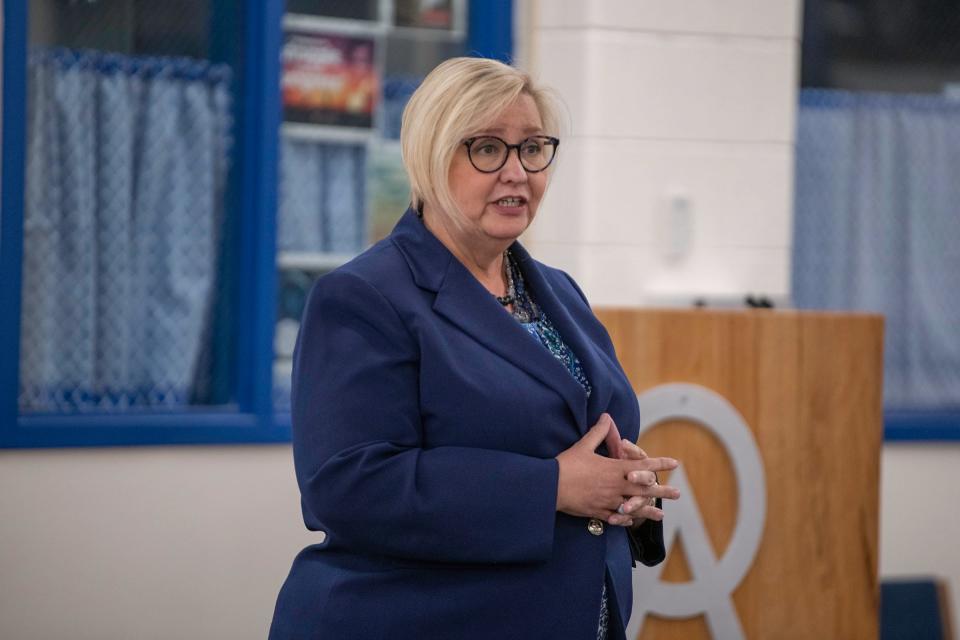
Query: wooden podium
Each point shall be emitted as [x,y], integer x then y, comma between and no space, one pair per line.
[808,386]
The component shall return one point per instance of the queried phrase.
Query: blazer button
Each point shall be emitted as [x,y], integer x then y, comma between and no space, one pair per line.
[595,527]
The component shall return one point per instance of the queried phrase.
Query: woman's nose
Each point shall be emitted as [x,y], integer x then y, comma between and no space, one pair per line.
[513,170]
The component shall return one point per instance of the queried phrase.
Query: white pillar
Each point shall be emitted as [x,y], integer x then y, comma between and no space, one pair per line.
[675,179]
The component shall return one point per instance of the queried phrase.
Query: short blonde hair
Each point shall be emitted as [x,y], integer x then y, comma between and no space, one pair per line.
[459,97]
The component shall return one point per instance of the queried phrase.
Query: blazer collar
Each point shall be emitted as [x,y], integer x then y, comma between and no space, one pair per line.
[426,255]
[466,303]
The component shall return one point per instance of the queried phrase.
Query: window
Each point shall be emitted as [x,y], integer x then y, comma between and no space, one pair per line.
[143,243]
[875,224]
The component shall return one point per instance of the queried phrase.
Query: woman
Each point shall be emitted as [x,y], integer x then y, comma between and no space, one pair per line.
[449,397]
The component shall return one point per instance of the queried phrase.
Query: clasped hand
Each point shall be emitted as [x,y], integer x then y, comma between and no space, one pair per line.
[595,486]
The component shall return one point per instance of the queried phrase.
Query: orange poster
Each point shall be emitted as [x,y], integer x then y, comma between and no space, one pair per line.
[329,79]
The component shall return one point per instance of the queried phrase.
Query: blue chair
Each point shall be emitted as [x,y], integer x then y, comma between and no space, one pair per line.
[914,609]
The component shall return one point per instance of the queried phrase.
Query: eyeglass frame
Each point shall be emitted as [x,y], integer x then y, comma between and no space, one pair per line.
[550,140]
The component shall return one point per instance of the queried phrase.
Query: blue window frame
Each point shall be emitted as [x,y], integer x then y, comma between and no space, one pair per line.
[251,251]
[921,426]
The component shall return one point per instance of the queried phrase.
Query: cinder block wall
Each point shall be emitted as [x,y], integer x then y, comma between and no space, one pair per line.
[676,178]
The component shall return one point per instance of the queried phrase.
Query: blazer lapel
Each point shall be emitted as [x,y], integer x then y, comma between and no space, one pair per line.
[462,300]
[596,364]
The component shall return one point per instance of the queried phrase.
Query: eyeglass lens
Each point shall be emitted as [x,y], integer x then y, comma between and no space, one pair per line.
[490,154]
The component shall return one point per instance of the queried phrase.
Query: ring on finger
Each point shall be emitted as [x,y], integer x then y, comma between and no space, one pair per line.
[620,510]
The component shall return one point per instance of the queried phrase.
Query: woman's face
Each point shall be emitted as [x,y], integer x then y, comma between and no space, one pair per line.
[499,206]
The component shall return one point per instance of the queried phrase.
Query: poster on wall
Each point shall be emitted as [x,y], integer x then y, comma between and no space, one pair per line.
[329,79]
[432,14]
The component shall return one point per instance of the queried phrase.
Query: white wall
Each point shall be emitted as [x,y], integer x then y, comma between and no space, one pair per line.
[919,515]
[677,178]
[194,542]
[146,543]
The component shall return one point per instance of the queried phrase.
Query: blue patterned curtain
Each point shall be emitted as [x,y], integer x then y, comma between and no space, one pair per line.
[877,228]
[126,163]
[322,197]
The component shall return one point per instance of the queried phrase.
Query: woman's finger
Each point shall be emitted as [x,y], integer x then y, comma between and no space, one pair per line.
[648,490]
[640,508]
[613,440]
[664,491]
[643,478]
[649,512]
[632,451]
[633,506]
[620,521]
[655,464]
[597,434]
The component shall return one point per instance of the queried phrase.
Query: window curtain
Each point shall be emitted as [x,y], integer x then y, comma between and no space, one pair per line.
[322,197]
[126,163]
[877,228]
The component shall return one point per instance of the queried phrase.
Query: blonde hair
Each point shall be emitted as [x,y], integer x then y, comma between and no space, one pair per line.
[459,97]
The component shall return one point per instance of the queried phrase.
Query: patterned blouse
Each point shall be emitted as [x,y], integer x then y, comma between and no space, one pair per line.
[535,321]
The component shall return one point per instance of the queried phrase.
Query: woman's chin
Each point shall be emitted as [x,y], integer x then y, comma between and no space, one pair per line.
[507,228]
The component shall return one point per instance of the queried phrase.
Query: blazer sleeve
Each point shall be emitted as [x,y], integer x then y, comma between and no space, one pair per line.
[646,541]
[364,475]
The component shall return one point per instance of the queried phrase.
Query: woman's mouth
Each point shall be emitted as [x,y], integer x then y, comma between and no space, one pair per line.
[510,202]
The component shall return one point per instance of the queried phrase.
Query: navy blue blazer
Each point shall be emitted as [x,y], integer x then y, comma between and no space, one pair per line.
[426,422]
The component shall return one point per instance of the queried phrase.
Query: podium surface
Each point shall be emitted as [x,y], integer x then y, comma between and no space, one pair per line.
[809,387]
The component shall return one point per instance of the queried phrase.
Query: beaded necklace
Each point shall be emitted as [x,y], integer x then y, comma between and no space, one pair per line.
[511,296]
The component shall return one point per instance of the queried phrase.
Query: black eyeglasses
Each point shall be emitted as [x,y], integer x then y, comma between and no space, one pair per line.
[489,153]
